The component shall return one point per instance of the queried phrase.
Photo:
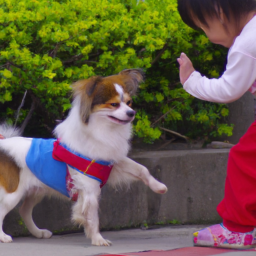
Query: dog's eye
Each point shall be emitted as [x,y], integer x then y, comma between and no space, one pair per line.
[115,104]
[129,102]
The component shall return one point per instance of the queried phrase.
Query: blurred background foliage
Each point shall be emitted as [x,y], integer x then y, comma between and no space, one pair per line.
[45,46]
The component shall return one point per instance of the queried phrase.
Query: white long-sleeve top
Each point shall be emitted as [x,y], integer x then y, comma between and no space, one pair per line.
[240,74]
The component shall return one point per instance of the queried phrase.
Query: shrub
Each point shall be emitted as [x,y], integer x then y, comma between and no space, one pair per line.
[47,45]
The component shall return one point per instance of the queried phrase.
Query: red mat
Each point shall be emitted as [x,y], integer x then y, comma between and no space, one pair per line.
[188,251]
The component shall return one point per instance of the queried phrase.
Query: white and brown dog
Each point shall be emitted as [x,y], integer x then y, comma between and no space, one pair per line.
[93,139]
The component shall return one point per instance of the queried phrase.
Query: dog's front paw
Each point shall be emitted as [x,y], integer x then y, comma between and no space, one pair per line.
[5,238]
[157,186]
[100,241]
[43,233]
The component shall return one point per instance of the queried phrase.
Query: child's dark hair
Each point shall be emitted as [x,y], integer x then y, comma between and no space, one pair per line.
[199,9]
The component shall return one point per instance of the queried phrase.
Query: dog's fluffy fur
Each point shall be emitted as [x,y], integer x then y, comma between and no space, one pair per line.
[99,127]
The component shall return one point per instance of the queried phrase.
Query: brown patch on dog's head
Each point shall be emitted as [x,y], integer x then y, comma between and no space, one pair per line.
[132,78]
[99,90]
[85,89]
[9,173]
[129,79]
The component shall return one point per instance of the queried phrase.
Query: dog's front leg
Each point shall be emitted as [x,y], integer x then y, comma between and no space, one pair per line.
[85,212]
[141,172]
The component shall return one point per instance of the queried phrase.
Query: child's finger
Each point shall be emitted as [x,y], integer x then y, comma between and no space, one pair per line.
[179,61]
[183,56]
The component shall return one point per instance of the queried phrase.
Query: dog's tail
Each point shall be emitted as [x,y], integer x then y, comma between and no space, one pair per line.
[9,131]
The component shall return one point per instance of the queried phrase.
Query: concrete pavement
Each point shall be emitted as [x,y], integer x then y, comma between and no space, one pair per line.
[165,241]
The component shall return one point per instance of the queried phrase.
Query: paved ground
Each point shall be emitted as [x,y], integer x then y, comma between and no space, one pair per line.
[165,241]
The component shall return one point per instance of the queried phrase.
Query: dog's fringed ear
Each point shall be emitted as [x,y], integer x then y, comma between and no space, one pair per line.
[85,89]
[132,78]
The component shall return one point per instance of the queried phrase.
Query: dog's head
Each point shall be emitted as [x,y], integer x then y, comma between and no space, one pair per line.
[109,97]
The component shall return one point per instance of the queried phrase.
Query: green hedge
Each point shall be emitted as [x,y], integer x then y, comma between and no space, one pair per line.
[47,45]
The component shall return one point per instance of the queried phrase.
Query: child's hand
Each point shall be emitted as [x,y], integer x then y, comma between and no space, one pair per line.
[1,137]
[186,67]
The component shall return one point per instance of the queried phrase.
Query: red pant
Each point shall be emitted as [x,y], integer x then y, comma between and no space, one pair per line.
[238,208]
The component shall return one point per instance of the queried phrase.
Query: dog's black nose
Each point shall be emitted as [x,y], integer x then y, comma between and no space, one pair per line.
[131,113]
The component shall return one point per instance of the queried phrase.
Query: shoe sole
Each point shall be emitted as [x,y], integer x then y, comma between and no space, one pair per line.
[229,246]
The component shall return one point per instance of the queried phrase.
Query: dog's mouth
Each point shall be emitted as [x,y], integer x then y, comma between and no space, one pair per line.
[119,121]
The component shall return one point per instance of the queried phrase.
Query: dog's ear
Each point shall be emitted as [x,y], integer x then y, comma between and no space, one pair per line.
[85,89]
[132,78]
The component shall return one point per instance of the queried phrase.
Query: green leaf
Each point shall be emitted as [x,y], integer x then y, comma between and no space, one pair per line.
[7,96]
[66,106]
[159,97]
[6,73]
[224,112]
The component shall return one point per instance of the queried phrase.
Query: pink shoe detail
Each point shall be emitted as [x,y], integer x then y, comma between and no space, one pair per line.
[219,236]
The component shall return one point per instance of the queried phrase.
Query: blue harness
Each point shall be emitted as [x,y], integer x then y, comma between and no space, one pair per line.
[48,170]
[54,173]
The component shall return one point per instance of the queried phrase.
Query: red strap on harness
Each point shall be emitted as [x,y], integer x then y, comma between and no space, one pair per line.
[88,167]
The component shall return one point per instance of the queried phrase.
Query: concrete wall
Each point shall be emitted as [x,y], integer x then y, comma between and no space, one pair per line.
[242,115]
[195,179]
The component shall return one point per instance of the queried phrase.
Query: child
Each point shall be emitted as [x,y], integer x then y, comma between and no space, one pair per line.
[231,23]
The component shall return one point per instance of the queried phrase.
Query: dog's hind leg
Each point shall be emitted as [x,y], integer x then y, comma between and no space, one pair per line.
[7,203]
[26,213]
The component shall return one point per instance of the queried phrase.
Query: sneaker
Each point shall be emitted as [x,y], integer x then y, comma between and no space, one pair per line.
[219,236]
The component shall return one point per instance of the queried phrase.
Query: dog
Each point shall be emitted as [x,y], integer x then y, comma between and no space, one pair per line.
[96,131]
